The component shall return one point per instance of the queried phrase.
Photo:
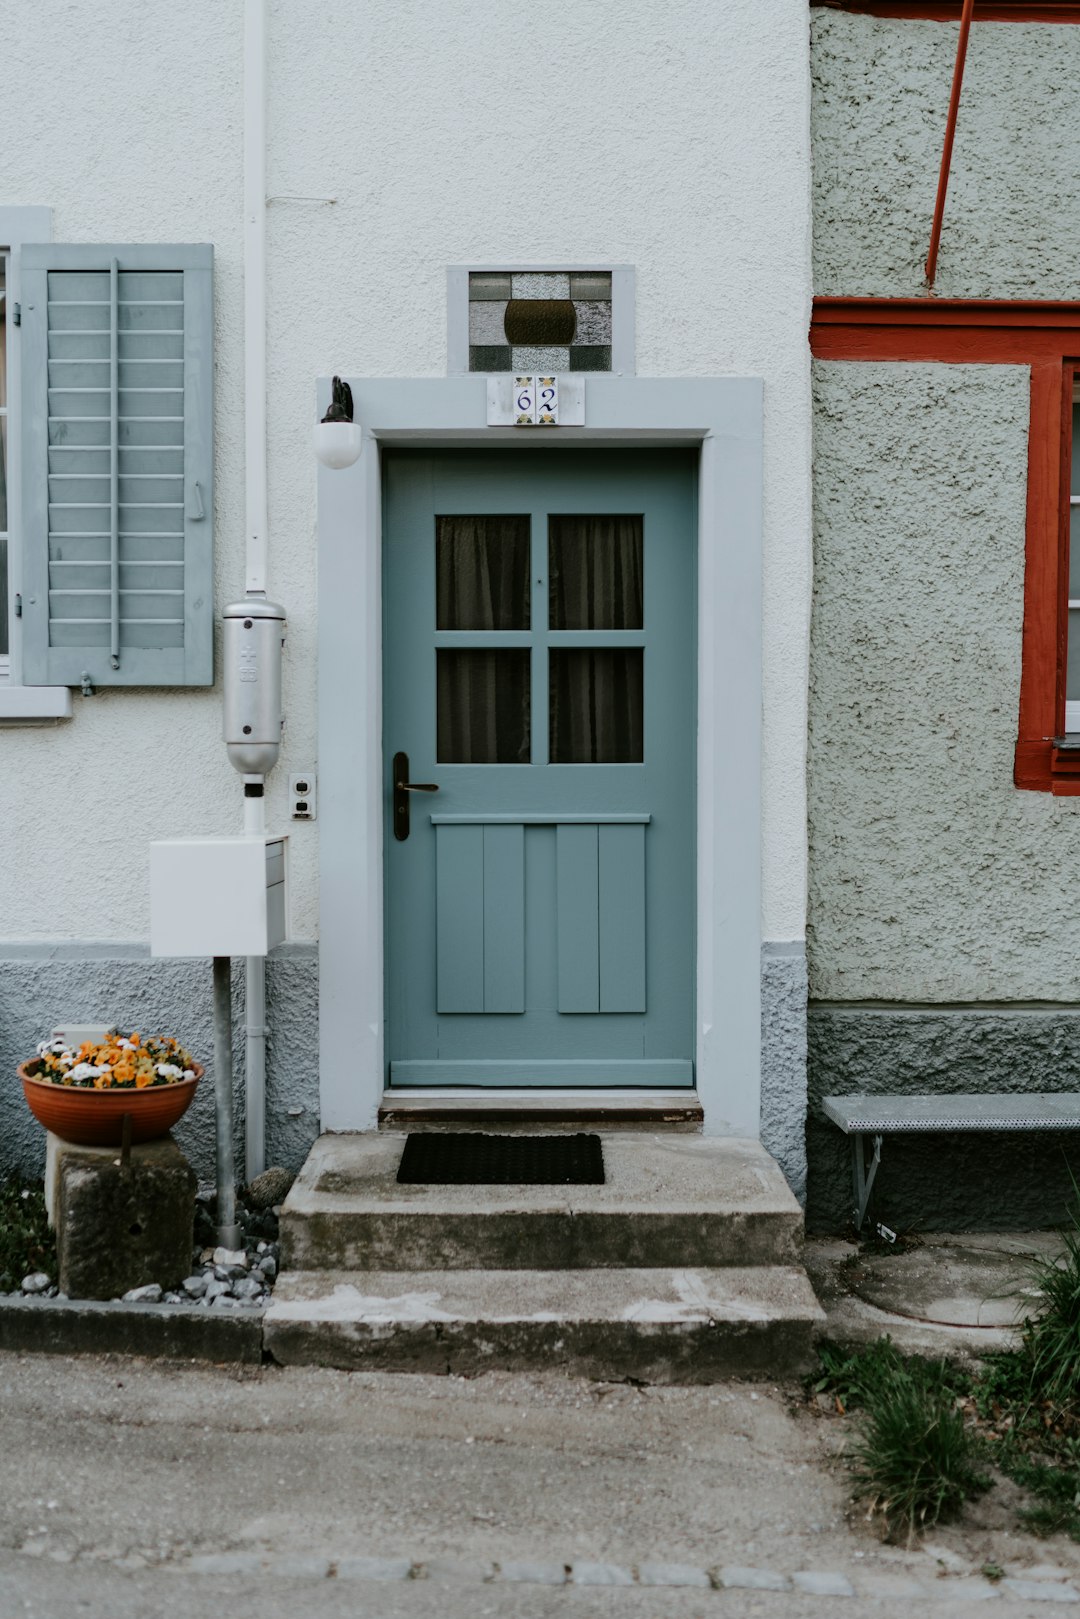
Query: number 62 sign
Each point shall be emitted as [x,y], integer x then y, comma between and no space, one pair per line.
[536,401]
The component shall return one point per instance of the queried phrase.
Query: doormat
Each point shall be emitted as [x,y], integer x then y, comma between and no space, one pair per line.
[470,1158]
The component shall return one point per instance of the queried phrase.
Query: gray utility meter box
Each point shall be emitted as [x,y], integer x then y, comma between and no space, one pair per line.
[254,637]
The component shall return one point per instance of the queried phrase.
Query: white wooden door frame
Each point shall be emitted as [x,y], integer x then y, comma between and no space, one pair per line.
[723,417]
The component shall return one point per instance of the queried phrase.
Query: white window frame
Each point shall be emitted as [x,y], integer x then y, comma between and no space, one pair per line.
[20,704]
[623,357]
[1072,709]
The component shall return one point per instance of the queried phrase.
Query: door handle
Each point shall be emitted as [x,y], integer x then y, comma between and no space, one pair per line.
[402,788]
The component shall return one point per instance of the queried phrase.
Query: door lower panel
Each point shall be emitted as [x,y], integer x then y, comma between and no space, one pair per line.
[645,1072]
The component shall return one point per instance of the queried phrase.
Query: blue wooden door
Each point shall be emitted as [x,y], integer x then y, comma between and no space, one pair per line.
[539,670]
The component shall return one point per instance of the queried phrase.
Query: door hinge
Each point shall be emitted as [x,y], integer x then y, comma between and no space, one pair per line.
[18,605]
[16,314]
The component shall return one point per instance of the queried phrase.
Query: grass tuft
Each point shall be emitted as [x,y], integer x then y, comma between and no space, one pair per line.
[1002,1389]
[928,1425]
[916,1459]
[1052,1338]
[858,1378]
[26,1243]
[1054,1483]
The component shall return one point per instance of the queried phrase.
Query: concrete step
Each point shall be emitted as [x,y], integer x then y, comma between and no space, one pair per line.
[658,1326]
[668,1201]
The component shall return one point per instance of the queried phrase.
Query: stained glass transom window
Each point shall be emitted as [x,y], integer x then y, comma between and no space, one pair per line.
[568,327]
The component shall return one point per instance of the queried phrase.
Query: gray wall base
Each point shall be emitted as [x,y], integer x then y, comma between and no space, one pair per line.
[43,985]
[943,1183]
[783,1059]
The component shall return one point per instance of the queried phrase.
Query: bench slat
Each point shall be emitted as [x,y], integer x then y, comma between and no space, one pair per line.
[898,1115]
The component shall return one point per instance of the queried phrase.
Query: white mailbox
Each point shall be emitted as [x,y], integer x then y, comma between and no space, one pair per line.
[218,896]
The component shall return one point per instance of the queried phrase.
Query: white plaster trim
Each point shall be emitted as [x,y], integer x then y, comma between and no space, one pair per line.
[122,950]
[724,416]
[17,227]
[20,705]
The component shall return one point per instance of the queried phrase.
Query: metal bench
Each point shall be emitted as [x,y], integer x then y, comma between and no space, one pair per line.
[878,1116]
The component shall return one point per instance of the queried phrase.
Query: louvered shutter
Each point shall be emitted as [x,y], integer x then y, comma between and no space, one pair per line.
[117,426]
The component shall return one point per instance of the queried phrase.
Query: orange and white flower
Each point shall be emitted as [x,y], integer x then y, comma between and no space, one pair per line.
[121,1060]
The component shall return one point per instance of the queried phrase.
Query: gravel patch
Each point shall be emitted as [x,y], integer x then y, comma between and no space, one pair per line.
[221,1278]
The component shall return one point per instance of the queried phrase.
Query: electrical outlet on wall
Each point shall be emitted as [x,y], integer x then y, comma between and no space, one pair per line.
[302,796]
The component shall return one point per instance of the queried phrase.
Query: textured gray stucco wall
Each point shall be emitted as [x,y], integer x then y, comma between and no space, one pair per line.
[931,877]
[42,986]
[879,101]
[944,1183]
[783,1059]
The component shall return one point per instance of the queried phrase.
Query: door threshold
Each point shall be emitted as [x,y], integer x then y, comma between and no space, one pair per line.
[464,1106]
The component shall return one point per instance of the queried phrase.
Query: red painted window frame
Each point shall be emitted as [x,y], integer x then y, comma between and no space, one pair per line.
[1046,337]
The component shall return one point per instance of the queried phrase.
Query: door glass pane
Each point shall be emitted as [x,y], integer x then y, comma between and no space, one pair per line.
[482,573]
[595,569]
[596,706]
[483,707]
[1072,672]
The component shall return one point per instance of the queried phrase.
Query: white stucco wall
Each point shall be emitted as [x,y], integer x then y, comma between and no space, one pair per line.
[674,138]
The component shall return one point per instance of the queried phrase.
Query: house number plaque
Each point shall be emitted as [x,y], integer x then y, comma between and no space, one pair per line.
[535,401]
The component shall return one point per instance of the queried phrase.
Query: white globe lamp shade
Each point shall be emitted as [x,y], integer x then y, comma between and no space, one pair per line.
[337,444]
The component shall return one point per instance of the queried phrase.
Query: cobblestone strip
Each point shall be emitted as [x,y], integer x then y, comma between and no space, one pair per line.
[829,1584]
[1040,1591]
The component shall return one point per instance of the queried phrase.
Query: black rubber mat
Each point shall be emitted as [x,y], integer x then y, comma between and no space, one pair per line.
[470,1158]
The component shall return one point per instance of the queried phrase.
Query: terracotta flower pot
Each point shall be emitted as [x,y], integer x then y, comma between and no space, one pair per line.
[89,1118]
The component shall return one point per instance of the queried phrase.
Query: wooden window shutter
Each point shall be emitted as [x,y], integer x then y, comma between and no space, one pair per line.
[118,498]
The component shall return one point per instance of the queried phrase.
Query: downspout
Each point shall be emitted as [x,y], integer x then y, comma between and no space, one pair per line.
[255,518]
[950,135]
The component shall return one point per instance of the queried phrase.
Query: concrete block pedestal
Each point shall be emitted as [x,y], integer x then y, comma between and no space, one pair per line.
[118,1225]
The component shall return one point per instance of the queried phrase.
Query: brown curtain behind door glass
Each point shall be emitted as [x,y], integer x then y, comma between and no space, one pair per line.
[596,706]
[483,707]
[596,583]
[482,574]
[595,566]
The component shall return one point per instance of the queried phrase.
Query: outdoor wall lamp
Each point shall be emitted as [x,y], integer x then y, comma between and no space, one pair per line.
[336,438]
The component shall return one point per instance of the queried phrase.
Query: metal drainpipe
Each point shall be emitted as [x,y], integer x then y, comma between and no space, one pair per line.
[255,1028]
[228,1232]
[256,512]
[950,135]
